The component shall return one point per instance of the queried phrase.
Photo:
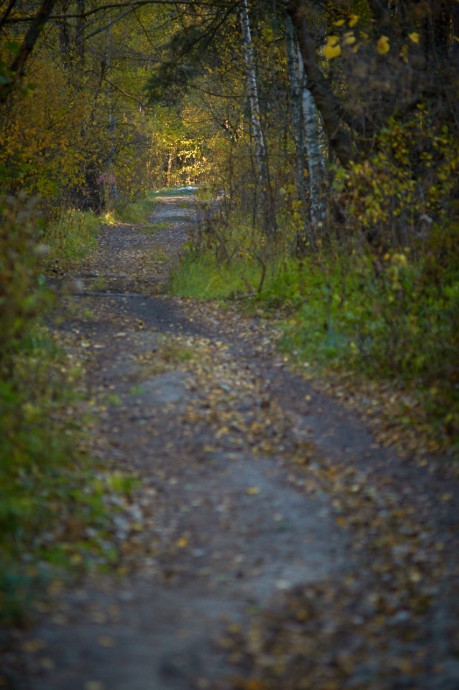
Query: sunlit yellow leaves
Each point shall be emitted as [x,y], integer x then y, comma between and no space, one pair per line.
[383,45]
[414,37]
[332,48]
[354,18]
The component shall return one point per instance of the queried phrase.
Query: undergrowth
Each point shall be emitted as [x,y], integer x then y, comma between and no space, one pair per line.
[135,212]
[70,238]
[53,501]
[52,513]
[389,318]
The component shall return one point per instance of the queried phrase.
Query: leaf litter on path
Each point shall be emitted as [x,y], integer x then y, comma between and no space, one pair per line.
[266,540]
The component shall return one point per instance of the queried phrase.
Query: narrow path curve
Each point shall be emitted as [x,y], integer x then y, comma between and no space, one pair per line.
[257,493]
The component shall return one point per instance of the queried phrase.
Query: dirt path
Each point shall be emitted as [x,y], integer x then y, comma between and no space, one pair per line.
[270,543]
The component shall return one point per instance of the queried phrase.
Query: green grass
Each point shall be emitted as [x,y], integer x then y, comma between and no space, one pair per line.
[137,212]
[343,312]
[173,191]
[71,238]
[203,277]
[52,516]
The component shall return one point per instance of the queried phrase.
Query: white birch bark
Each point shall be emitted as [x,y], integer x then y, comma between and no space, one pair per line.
[305,235]
[314,156]
[261,159]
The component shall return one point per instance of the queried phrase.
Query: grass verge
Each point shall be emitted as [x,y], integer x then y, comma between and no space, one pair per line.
[70,239]
[53,512]
[135,212]
[383,321]
[55,506]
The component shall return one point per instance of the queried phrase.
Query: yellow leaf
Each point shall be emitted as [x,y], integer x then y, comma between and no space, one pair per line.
[353,19]
[47,663]
[332,48]
[340,22]
[181,543]
[414,36]
[254,684]
[32,646]
[383,45]
[253,490]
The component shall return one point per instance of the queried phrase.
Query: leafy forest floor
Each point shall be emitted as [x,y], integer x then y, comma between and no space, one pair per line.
[268,541]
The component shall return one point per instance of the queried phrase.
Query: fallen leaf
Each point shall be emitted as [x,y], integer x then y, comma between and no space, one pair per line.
[33,646]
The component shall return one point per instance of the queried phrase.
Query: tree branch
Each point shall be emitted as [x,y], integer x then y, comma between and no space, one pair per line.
[16,70]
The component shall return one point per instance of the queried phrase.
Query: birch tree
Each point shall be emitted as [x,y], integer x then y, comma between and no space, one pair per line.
[306,235]
[314,156]
[261,158]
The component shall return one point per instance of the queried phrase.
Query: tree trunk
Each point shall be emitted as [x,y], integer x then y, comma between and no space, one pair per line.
[314,155]
[261,159]
[305,236]
[79,34]
[327,104]
[17,67]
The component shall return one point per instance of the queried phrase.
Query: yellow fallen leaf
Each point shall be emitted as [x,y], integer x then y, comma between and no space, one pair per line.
[106,641]
[33,645]
[47,663]
[182,542]
[254,684]
[353,19]
[253,490]
[383,45]
[414,37]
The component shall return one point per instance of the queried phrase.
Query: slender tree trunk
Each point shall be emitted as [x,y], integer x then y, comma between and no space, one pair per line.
[111,188]
[7,13]
[327,104]
[79,34]
[455,43]
[305,236]
[261,159]
[314,155]
[170,160]
[64,34]
[17,68]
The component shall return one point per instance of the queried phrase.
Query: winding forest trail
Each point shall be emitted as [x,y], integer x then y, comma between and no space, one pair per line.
[270,542]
